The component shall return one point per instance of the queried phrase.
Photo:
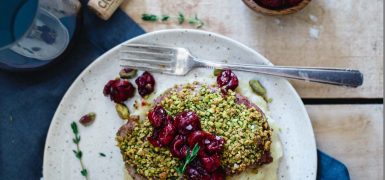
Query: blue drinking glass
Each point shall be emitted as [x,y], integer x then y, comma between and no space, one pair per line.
[34,33]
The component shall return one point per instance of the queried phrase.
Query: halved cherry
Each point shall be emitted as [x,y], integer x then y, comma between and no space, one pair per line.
[119,90]
[187,122]
[211,162]
[196,137]
[227,80]
[157,116]
[154,138]
[145,83]
[179,147]
[195,171]
[167,134]
[214,143]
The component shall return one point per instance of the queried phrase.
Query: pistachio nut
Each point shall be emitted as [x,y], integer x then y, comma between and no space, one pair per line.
[257,87]
[217,72]
[88,119]
[128,73]
[122,111]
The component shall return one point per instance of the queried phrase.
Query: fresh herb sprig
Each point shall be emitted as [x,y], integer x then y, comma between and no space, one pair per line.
[195,21]
[78,153]
[189,158]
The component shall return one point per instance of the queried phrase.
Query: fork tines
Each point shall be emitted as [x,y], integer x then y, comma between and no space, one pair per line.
[149,57]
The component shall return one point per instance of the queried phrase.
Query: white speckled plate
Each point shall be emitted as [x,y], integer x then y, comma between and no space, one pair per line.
[85,95]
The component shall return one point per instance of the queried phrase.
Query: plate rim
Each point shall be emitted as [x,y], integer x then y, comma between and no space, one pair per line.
[115,48]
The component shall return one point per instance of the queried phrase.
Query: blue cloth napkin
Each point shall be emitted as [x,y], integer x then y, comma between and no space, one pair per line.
[28,101]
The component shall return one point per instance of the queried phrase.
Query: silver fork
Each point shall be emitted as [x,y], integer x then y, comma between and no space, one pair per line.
[179,61]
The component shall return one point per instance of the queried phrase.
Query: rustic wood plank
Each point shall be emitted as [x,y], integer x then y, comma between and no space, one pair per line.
[346,33]
[353,134]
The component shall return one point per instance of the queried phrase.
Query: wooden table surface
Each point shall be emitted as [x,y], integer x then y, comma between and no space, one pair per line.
[344,34]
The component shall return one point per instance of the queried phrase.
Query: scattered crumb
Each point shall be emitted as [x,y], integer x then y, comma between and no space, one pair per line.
[314,32]
[277,21]
[136,104]
[102,154]
[313,18]
[145,103]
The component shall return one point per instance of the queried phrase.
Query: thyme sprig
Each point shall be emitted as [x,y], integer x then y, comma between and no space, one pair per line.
[78,153]
[189,158]
[181,18]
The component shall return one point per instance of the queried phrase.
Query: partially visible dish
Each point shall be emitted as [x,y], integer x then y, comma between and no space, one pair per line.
[103,159]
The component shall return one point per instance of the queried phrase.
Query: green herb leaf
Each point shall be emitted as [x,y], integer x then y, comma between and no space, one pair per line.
[165,17]
[181,18]
[84,172]
[149,17]
[102,154]
[189,158]
[76,140]
[195,151]
[74,127]
[196,21]
[193,21]
[78,154]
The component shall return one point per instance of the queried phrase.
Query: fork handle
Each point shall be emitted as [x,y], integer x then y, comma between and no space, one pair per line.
[342,77]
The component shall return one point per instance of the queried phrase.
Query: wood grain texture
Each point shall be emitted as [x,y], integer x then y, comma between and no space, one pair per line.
[352,134]
[345,34]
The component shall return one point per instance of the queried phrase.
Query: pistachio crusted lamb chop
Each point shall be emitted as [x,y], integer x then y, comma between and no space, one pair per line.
[232,116]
